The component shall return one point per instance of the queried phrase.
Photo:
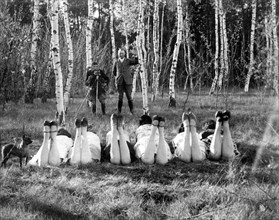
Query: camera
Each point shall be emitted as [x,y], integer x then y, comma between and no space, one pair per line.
[97,72]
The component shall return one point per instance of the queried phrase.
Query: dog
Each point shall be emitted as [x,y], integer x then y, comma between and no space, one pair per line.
[19,149]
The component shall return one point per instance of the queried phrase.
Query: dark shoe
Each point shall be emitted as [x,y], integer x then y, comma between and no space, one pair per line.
[155,120]
[219,116]
[103,109]
[119,106]
[78,123]
[114,119]
[131,106]
[192,119]
[46,123]
[94,109]
[161,122]
[226,115]
[120,120]
[185,117]
[84,122]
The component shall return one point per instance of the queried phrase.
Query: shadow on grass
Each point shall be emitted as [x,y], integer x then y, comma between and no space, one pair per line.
[46,210]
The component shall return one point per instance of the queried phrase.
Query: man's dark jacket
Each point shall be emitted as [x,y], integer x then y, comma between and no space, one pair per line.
[124,71]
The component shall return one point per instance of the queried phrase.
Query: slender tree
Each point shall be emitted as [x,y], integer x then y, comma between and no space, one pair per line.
[142,56]
[89,34]
[216,60]
[113,47]
[57,65]
[155,82]
[275,48]
[187,56]
[252,41]
[70,54]
[172,102]
[33,53]
[124,15]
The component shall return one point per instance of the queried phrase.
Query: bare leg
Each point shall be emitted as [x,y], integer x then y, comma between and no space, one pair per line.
[227,145]
[196,151]
[85,150]
[149,152]
[54,155]
[75,155]
[44,150]
[186,149]
[114,149]
[124,149]
[162,157]
[215,146]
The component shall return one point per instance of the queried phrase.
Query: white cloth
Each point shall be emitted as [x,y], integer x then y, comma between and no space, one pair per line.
[143,133]
[178,144]
[64,144]
[109,137]
[94,145]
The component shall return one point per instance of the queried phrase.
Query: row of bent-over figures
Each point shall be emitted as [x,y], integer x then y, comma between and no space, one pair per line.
[214,142]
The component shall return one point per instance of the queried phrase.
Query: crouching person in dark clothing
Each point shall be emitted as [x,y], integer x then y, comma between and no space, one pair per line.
[97,81]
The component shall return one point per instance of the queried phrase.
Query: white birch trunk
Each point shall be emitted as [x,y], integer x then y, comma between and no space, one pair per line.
[268,51]
[124,14]
[142,69]
[187,55]
[155,81]
[216,60]
[33,52]
[57,65]
[175,54]
[222,54]
[226,60]
[162,38]
[113,47]
[70,54]
[275,44]
[89,34]
[251,64]
[136,73]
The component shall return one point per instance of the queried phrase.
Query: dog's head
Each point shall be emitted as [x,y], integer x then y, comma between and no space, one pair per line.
[145,119]
[26,140]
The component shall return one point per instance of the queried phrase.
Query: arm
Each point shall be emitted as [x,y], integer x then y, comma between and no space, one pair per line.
[114,69]
[133,61]
[105,77]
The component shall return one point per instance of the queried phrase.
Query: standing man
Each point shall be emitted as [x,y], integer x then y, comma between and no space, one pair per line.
[97,81]
[124,78]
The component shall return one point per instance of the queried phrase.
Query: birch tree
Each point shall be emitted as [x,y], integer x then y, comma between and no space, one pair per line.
[252,41]
[113,47]
[33,53]
[275,44]
[124,14]
[216,60]
[141,56]
[57,65]
[172,102]
[70,54]
[187,56]
[155,82]
[89,34]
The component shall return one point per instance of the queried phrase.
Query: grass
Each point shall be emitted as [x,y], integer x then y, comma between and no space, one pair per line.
[206,190]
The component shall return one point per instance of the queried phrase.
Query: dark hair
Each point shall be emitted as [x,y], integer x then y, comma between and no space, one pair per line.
[94,63]
[209,124]
[145,119]
[63,131]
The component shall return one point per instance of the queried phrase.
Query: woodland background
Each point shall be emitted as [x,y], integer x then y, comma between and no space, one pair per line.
[16,40]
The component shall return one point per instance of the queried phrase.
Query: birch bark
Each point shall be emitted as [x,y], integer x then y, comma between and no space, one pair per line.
[89,34]
[70,54]
[57,65]
[275,44]
[216,60]
[172,102]
[33,53]
[251,64]
[141,56]
[155,81]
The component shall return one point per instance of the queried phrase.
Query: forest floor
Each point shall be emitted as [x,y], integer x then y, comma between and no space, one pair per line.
[178,190]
